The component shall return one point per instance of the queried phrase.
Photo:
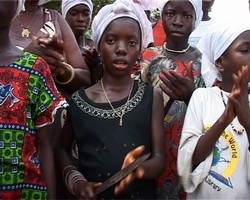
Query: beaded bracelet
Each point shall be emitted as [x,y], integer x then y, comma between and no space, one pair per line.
[70,78]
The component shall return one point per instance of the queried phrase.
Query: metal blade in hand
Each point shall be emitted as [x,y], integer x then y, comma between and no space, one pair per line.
[121,174]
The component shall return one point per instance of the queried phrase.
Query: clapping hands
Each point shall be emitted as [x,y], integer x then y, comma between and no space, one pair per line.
[238,104]
[94,64]
[176,86]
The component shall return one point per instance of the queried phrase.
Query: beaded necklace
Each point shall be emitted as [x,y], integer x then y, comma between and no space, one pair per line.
[175,51]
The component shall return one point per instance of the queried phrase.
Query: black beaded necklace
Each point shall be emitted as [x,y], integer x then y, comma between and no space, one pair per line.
[231,124]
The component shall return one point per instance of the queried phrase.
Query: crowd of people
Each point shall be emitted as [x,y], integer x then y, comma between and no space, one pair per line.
[76,109]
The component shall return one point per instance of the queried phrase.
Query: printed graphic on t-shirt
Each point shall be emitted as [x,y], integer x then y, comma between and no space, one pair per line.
[225,160]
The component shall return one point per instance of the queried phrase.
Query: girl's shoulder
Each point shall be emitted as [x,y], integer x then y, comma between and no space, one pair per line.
[195,52]
[152,52]
[206,92]
[34,64]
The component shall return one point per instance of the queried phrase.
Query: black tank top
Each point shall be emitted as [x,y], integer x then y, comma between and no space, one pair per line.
[103,144]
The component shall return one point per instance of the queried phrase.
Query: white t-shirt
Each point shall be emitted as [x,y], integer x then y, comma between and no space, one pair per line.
[199,31]
[225,173]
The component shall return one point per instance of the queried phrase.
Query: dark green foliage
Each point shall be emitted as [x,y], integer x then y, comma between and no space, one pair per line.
[56,4]
[100,3]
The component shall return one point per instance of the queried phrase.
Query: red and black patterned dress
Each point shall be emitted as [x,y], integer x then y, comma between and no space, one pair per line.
[28,101]
[154,60]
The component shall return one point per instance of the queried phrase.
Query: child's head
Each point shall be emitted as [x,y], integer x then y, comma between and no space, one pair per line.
[78,14]
[180,17]
[225,48]
[119,9]
[119,33]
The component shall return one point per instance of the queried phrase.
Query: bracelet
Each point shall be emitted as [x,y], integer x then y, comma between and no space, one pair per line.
[67,167]
[71,76]
[71,178]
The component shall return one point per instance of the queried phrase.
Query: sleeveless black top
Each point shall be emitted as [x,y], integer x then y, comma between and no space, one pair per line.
[103,144]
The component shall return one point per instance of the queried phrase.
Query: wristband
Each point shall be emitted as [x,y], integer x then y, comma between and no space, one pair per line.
[70,78]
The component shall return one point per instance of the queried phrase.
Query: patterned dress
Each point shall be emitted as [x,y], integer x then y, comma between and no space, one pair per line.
[28,101]
[154,60]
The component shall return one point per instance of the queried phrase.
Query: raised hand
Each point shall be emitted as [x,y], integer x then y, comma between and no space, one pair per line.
[137,173]
[237,104]
[94,64]
[176,86]
[85,190]
[239,96]
[50,49]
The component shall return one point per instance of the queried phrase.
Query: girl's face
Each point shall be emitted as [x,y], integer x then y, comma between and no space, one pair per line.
[178,19]
[78,19]
[120,45]
[237,54]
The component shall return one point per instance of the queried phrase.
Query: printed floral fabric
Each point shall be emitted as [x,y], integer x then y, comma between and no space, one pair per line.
[155,59]
[28,100]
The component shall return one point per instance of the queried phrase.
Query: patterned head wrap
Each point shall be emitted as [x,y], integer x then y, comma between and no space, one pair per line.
[197,4]
[68,4]
[215,42]
[120,8]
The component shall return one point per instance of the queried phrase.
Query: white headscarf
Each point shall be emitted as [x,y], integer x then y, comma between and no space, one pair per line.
[215,42]
[41,2]
[68,4]
[148,4]
[120,8]
[197,4]
[20,7]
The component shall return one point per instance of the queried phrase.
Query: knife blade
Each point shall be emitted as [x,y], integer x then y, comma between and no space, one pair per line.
[121,174]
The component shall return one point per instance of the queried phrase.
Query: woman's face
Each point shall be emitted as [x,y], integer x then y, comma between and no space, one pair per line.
[120,45]
[78,18]
[178,19]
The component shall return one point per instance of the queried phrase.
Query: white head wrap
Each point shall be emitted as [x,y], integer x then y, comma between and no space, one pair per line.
[215,42]
[68,4]
[120,8]
[41,2]
[148,4]
[197,4]
[20,7]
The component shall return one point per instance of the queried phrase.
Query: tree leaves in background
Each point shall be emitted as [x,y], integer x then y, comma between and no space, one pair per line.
[56,4]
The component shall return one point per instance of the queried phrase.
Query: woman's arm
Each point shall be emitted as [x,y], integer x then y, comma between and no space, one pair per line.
[74,57]
[56,52]
[155,165]
[45,152]
[74,180]
[64,146]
